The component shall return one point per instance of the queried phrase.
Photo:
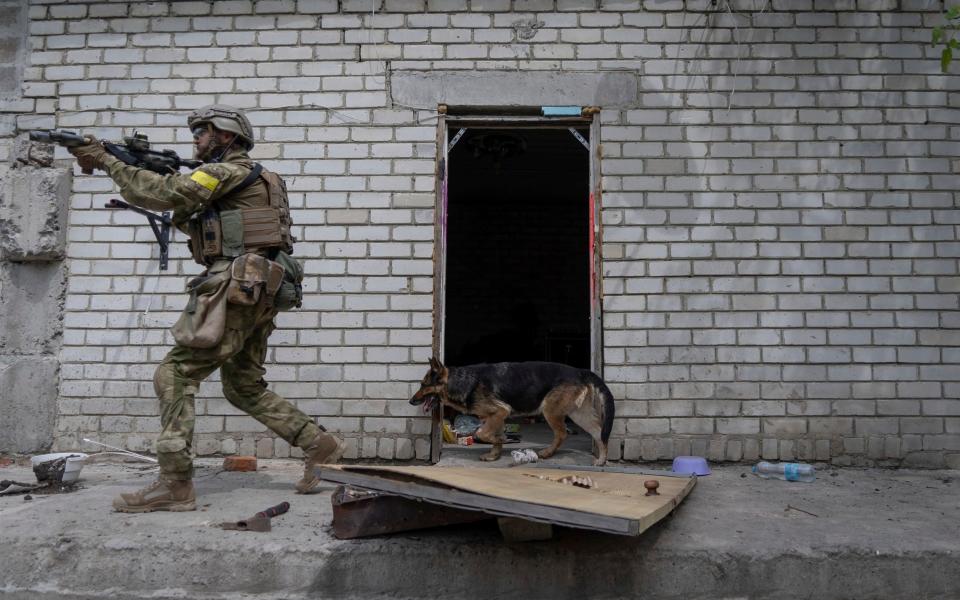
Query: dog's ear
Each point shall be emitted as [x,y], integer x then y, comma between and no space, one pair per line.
[435,364]
[442,372]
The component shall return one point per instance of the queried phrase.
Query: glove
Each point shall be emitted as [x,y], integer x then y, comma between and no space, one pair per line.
[91,155]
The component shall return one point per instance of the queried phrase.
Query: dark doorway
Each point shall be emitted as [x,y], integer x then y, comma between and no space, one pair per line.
[517,262]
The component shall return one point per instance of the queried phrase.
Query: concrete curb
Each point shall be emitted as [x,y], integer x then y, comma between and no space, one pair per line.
[878,534]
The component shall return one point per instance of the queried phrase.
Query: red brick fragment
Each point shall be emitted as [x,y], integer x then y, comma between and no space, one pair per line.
[240,463]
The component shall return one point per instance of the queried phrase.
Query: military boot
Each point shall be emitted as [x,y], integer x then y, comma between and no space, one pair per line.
[324,449]
[162,494]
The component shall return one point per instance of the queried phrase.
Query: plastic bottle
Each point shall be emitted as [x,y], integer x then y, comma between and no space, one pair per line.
[786,471]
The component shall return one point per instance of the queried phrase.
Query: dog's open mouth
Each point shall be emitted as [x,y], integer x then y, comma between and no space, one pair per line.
[428,403]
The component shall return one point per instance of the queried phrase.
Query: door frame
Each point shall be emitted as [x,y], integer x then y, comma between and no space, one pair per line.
[446,122]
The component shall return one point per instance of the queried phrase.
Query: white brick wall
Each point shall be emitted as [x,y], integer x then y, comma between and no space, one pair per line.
[780,215]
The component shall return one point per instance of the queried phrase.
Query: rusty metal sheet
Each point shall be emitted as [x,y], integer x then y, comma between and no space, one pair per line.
[361,513]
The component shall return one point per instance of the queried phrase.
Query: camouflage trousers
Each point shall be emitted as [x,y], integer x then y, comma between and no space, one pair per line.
[239,356]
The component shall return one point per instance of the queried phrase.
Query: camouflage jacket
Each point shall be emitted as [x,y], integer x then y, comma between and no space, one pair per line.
[190,193]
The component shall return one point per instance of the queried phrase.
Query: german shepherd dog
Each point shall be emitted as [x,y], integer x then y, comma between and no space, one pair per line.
[494,392]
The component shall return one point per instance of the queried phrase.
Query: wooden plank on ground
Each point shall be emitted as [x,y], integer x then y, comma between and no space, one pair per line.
[616,503]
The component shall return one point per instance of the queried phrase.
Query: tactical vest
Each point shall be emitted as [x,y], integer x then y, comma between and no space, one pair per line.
[216,233]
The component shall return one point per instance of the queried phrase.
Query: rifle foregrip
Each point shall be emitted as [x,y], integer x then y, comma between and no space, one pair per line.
[274,511]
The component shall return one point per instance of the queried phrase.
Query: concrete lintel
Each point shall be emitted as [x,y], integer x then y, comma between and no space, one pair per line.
[426,89]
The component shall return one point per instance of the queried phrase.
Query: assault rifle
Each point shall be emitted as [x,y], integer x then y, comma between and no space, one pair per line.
[135,150]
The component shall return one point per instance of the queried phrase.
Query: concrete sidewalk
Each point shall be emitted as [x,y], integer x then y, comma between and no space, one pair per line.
[853,533]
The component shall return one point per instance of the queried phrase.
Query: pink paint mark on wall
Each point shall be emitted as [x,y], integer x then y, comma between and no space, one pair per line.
[593,294]
[443,214]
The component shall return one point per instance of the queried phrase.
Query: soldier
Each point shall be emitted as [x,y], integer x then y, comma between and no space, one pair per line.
[237,217]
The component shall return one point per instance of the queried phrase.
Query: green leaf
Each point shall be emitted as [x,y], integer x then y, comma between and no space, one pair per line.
[953,43]
[937,35]
[954,12]
[945,57]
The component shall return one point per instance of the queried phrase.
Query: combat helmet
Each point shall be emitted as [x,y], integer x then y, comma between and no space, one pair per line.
[225,118]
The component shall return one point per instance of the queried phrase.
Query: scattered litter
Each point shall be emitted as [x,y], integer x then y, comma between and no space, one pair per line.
[449,436]
[10,488]
[5,462]
[58,467]
[574,480]
[785,471]
[577,481]
[690,465]
[120,451]
[465,425]
[259,522]
[806,512]
[15,487]
[522,457]
[50,470]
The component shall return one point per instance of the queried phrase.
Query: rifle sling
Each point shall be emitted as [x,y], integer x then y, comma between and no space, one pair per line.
[248,180]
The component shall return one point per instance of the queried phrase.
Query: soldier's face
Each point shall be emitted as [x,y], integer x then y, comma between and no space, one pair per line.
[208,141]
[202,142]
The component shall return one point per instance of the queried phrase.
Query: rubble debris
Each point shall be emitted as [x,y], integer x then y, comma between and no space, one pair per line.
[51,470]
[574,480]
[15,487]
[577,481]
[259,522]
[240,463]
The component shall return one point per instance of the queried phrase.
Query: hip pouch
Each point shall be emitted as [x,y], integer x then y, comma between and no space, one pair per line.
[252,278]
[290,294]
[202,322]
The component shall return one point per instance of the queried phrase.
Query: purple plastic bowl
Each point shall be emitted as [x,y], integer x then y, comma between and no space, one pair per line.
[690,465]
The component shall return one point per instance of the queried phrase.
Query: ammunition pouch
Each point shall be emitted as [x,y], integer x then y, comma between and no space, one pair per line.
[290,294]
[253,278]
[203,321]
[206,237]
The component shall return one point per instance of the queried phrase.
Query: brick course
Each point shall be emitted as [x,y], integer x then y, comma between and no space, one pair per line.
[780,222]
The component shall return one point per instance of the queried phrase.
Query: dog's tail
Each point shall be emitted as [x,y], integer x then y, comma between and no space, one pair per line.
[603,401]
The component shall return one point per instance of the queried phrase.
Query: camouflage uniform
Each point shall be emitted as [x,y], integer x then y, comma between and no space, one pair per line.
[241,352]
